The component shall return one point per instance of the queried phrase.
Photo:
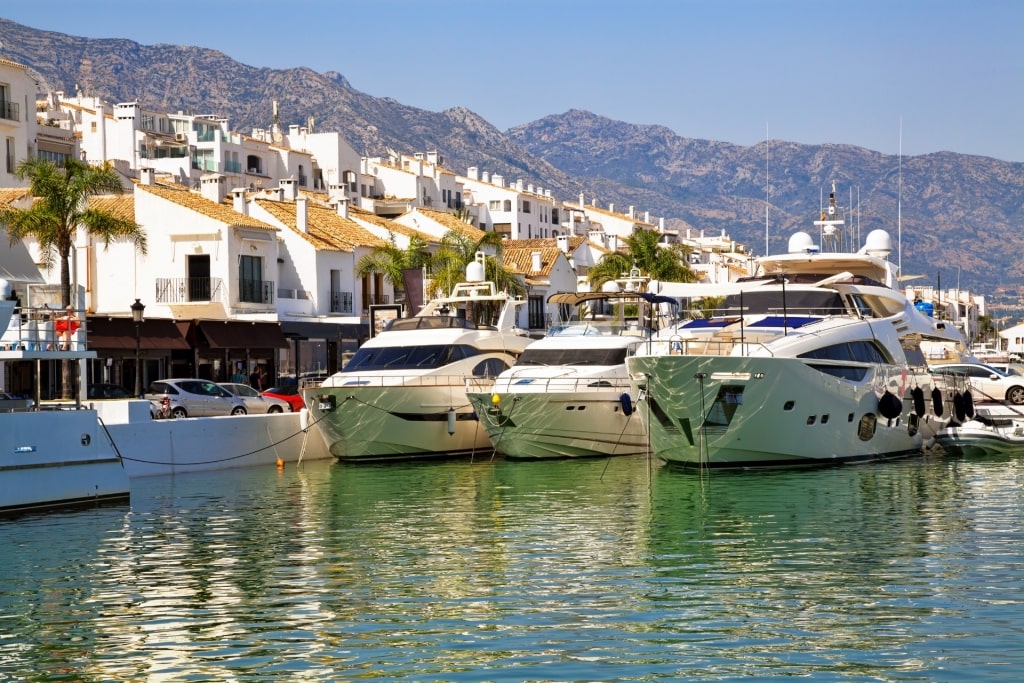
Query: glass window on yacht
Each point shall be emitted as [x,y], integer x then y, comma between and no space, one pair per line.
[592,356]
[856,351]
[407,357]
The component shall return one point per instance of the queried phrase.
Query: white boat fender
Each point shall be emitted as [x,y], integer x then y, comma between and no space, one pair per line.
[889,406]
[968,403]
[937,401]
[627,405]
[451,421]
[917,393]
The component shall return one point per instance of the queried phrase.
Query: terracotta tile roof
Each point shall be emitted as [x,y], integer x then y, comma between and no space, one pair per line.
[120,205]
[520,260]
[575,242]
[194,201]
[327,230]
[452,223]
[12,194]
[390,225]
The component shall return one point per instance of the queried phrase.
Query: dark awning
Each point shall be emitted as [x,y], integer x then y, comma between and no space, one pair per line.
[158,334]
[234,334]
[323,330]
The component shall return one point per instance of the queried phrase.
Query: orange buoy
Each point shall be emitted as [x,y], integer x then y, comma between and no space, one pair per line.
[280,463]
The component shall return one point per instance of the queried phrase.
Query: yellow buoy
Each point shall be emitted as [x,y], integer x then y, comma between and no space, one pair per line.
[495,399]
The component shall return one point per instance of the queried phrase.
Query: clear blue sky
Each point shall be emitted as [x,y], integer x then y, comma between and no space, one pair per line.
[949,74]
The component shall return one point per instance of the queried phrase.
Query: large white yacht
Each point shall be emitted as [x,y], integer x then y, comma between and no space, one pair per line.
[402,395]
[54,458]
[568,395]
[817,361]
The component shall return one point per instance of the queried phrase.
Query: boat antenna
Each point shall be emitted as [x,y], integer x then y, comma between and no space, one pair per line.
[767,189]
[899,205]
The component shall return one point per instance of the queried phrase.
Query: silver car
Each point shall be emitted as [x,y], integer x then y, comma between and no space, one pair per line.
[255,402]
[986,382]
[193,398]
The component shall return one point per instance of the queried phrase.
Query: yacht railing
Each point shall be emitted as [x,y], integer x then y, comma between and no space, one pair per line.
[43,328]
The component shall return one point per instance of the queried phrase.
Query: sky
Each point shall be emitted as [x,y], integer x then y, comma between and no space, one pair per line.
[903,77]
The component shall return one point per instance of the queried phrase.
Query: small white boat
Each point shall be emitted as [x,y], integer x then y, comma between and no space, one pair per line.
[403,394]
[568,395]
[52,458]
[992,430]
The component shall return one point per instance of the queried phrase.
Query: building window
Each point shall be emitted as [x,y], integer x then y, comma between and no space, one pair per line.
[9,154]
[535,306]
[508,204]
[526,206]
[554,216]
[494,205]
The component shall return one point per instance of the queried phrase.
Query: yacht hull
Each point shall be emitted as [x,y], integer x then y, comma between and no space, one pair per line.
[771,412]
[399,421]
[543,425]
[57,459]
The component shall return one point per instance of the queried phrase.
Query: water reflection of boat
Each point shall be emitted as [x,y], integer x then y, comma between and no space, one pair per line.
[818,361]
[403,393]
[568,395]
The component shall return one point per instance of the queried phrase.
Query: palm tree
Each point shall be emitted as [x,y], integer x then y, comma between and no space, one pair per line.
[62,192]
[391,261]
[645,253]
[458,250]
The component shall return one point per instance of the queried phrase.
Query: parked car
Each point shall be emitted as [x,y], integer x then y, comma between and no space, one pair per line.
[289,393]
[986,382]
[194,398]
[255,402]
[98,391]
[12,402]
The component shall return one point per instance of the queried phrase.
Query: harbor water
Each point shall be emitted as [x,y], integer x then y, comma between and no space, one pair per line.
[600,570]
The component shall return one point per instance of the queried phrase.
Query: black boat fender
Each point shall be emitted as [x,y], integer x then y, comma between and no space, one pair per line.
[890,406]
[917,393]
[937,401]
[958,407]
[968,403]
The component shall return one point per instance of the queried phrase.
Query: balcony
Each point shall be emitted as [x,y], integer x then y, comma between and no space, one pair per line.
[10,111]
[341,302]
[180,290]
[256,291]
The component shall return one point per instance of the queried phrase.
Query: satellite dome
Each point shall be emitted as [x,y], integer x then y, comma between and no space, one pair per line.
[474,271]
[611,287]
[801,243]
[878,243]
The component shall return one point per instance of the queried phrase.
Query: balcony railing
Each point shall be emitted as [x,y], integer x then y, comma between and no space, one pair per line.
[341,302]
[256,291]
[10,111]
[178,290]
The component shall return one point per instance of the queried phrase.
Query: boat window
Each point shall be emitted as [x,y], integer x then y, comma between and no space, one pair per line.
[429,322]
[862,306]
[803,302]
[407,357]
[857,351]
[592,356]
[853,373]
[490,367]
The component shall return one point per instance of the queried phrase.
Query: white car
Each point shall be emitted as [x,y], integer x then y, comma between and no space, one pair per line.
[985,382]
[255,402]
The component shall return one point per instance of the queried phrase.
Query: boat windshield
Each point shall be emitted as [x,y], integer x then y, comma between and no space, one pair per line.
[407,357]
[615,356]
[430,322]
[818,302]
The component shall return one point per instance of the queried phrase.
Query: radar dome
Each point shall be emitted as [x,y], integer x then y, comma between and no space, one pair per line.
[611,287]
[801,243]
[878,243]
[474,271]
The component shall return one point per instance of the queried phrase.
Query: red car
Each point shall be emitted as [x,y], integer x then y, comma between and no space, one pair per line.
[287,392]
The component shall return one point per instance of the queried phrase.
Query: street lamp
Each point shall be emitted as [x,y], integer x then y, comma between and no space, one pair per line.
[137,308]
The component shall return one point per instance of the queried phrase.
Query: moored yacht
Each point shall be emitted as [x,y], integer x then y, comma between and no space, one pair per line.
[816,361]
[53,458]
[403,394]
[568,395]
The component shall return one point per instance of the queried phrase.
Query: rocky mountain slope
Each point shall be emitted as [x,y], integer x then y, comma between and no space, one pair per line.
[959,218]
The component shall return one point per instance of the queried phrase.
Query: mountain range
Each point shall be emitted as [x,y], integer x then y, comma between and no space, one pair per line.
[957,219]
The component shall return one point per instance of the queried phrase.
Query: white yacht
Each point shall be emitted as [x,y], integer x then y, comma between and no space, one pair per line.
[817,361]
[50,458]
[402,395]
[568,395]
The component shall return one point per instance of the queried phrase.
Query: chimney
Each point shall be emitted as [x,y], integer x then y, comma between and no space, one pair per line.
[145,176]
[535,262]
[581,200]
[611,207]
[343,207]
[473,173]
[647,216]
[487,176]
[289,188]
[632,212]
[563,243]
[498,180]
[336,191]
[302,215]
[238,201]
[212,187]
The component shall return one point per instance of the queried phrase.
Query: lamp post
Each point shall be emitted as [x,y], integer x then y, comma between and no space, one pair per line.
[137,308]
